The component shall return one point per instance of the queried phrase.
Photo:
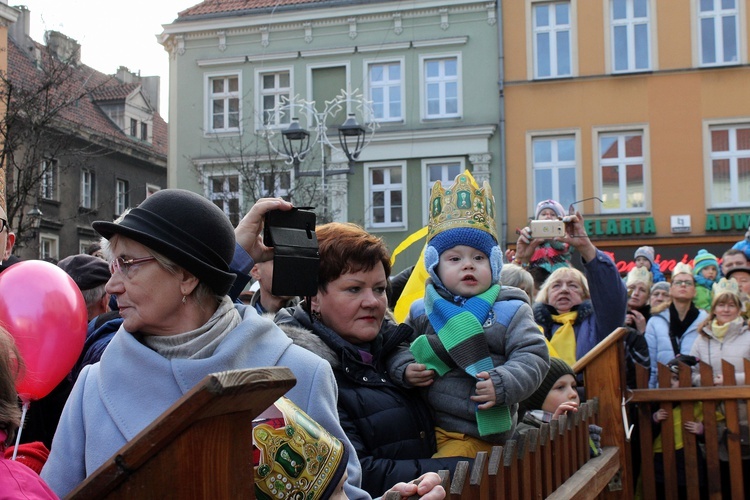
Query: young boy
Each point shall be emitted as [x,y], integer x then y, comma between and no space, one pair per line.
[706,273]
[473,340]
[557,395]
[644,257]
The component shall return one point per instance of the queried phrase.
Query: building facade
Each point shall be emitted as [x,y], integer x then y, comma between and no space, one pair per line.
[634,111]
[428,69]
[101,147]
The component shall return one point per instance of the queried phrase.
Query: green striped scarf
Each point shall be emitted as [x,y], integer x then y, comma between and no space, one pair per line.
[460,342]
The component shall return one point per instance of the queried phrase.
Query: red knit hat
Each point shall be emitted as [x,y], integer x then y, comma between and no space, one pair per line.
[33,455]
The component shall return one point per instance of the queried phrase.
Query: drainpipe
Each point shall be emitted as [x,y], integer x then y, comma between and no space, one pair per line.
[501,129]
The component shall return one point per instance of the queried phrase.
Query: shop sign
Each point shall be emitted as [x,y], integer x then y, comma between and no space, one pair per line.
[617,227]
[727,222]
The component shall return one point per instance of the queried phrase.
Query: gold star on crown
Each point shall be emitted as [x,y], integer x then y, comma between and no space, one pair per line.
[463,204]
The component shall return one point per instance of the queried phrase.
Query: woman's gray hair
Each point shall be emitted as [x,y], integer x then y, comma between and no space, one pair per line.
[557,275]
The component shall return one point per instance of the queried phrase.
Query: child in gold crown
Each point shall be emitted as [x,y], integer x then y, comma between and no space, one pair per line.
[474,341]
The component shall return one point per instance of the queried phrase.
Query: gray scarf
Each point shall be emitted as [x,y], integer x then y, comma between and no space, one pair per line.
[201,342]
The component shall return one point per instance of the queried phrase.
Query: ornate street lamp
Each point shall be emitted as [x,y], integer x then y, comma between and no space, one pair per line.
[353,132]
[35,216]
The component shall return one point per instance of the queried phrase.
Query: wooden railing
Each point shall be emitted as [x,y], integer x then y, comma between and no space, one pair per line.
[718,403]
[554,460]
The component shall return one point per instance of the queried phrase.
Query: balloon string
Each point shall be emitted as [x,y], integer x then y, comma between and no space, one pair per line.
[20,429]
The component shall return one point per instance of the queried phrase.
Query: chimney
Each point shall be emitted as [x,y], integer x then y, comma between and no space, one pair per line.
[21,29]
[64,48]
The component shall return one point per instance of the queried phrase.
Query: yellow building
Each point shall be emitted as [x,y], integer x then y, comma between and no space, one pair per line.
[639,103]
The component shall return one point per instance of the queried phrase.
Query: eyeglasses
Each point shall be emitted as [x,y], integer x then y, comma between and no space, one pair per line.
[687,283]
[4,225]
[120,265]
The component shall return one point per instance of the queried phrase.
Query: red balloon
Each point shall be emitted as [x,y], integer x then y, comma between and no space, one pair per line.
[44,311]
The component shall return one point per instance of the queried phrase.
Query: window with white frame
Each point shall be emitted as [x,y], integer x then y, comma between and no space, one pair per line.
[122,196]
[224,113]
[552,40]
[385,85]
[49,247]
[224,191]
[444,170]
[151,189]
[718,32]
[621,169]
[277,184]
[274,91]
[48,181]
[730,166]
[87,188]
[555,165]
[386,189]
[631,46]
[441,87]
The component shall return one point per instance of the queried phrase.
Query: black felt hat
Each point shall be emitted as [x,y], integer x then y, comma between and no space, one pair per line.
[86,270]
[187,229]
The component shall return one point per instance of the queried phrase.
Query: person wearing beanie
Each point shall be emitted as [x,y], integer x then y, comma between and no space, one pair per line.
[543,256]
[19,478]
[470,333]
[556,395]
[170,271]
[673,326]
[659,294]
[644,257]
[706,272]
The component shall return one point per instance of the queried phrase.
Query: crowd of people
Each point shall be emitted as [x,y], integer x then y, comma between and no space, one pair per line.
[485,355]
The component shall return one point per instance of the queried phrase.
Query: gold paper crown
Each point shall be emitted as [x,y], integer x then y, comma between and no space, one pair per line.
[299,459]
[639,274]
[725,285]
[463,204]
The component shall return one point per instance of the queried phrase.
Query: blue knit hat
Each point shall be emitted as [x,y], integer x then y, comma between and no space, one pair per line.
[474,238]
[704,259]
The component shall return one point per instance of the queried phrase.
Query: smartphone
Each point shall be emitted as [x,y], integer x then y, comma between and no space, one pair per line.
[547,229]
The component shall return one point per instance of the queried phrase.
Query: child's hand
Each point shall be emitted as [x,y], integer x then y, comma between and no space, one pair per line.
[485,392]
[694,427]
[418,375]
[567,406]
[660,415]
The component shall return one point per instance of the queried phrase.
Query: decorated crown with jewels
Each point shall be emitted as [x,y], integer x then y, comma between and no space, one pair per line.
[725,285]
[295,457]
[463,204]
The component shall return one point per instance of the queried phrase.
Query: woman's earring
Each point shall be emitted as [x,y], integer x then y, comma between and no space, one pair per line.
[184,299]
[316,315]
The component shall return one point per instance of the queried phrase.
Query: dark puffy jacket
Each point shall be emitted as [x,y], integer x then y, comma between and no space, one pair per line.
[390,427]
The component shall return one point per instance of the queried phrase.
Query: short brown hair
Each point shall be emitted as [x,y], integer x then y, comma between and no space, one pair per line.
[11,367]
[345,247]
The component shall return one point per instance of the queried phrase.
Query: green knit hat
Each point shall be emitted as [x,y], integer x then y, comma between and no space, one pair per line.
[704,259]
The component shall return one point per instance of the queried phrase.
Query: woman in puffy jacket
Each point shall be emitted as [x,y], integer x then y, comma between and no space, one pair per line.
[345,323]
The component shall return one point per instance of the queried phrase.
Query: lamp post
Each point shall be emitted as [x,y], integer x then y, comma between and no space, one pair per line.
[297,142]
[35,216]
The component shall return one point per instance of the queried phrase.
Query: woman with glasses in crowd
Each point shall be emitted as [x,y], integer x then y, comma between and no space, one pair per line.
[673,326]
[170,262]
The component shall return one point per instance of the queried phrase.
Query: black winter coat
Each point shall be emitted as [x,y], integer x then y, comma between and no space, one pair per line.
[390,427]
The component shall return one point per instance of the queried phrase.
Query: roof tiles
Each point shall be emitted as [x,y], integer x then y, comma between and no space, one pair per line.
[228,6]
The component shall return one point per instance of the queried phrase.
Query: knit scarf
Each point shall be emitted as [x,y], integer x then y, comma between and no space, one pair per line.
[460,342]
[564,339]
[720,331]
[201,342]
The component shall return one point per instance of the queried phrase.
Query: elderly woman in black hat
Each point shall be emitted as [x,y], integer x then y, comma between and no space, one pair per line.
[170,263]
